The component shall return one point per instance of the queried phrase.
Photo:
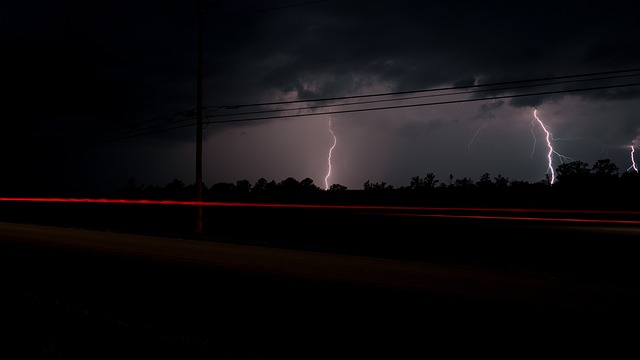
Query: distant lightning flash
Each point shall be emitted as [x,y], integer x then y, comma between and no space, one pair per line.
[488,115]
[335,141]
[535,140]
[473,138]
[633,161]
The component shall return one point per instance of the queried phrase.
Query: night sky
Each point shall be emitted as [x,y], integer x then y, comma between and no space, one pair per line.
[99,92]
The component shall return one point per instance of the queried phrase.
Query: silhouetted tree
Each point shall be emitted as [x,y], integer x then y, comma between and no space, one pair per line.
[604,168]
[243,186]
[262,185]
[223,188]
[131,190]
[307,185]
[289,185]
[630,181]
[501,182]
[191,191]
[416,183]
[485,182]
[604,177]
[153,192]
[574,173]
[428,182]
[337,187]
[176,190]
[465,183]
[369,186]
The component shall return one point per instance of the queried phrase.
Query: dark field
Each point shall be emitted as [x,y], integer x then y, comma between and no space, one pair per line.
[494,287]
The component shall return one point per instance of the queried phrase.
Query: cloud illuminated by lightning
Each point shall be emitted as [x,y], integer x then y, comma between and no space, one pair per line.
[335,141]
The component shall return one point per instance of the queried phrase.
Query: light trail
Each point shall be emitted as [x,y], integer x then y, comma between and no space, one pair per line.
[613,217]
[516,218]
[314,206]
[335,141]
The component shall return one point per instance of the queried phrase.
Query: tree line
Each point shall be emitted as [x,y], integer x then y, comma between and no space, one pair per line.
[577,184]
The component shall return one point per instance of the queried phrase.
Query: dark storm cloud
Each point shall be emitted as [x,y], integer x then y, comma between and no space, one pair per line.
[78,71]
[338,48]
[135,59]
[75,70]
[487,110]
[88,68]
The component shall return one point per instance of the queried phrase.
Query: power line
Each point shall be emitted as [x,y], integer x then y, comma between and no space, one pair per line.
[417,97]
[155,131]
[236,106]
[188,115]
[274,8]
[176,123]
[125,137]
[427,104]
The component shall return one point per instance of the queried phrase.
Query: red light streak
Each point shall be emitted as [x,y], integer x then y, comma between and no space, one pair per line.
[548,215]
[313,206]
[593,221]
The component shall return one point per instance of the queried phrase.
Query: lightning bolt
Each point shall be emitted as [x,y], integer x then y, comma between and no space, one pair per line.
[335,141]
[549,137]
[633,162]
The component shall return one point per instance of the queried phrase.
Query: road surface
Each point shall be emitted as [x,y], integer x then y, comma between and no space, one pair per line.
[74,293]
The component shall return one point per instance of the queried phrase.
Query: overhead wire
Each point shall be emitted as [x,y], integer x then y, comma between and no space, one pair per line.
[268,9]
[133,131]
[412,97]
[235,106]
[429,104]
[160,123]
[173,122]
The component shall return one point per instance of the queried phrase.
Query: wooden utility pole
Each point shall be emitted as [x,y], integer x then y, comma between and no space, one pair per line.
[199,111]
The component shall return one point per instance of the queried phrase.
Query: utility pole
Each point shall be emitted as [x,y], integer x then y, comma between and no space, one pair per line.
[199,110]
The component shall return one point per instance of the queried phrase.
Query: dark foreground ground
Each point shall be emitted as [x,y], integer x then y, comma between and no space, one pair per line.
[386,287]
